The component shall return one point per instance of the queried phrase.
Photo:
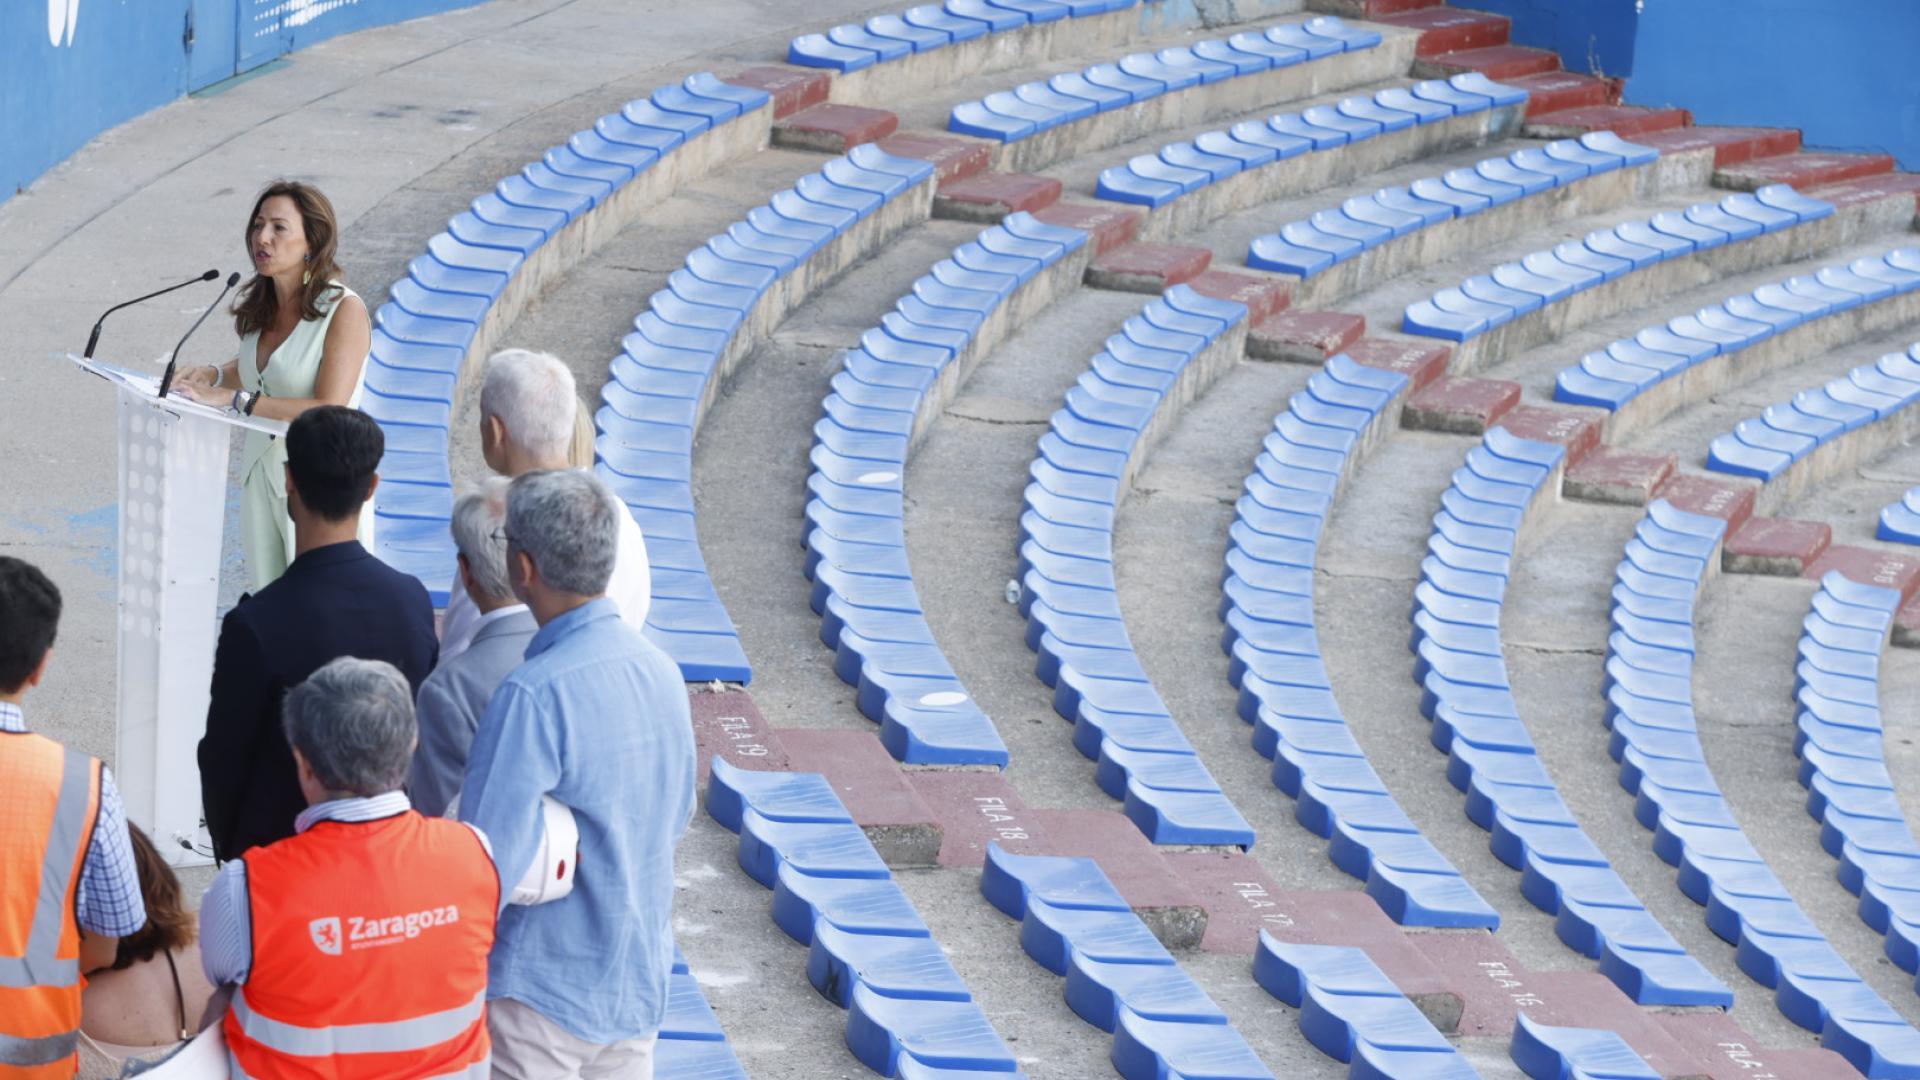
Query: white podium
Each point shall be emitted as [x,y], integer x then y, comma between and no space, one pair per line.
[173,495]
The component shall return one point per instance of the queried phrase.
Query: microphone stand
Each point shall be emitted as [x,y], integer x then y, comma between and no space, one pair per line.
[93,337]
[166,380]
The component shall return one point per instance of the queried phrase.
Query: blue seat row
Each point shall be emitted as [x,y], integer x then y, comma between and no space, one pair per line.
[868,949]
[1649,690]
[1328,237]
[1782,434]
[1570,1053]
[856,540]
[1486,301]
[1491,756]
[1267,605]
[1843,761]
[853,46]
[422,333]
[1900,522]
[1031,108]
[658,385]
[692,1043]
[1066,572]
[1182,168]
[1119,978]
[1629,367]
[1351,1012]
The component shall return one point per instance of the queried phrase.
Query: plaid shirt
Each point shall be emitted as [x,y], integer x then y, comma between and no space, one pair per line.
[108,901]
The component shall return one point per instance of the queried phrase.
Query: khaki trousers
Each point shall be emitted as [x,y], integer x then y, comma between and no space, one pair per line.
[528,1046]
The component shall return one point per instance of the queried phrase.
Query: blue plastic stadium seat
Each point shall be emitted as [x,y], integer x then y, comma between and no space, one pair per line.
[1900,521]
[1556,1053]
[883,1032]
[1349,1009]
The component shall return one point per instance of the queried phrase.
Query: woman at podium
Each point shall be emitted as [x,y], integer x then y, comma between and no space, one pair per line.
[304,338]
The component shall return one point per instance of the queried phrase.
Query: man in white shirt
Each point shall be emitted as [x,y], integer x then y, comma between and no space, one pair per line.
[527,407]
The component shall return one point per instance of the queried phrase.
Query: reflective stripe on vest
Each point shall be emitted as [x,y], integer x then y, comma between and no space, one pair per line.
[44,1050]
[40,966]
[479,1070]
[399,1036]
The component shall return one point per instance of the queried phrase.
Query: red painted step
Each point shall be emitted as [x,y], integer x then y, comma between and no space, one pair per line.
[1803,169]
[1612,475]
[1372,9]
[952,159]
[832,128]
[1303,336]
[1419,361]
[989,196]
[1627,121]
[793,88]
[1731,145]
[1460,404]
[1264,294]
[1576,429]
[1779,546]
[1551,91]
[1495,62]
[1444,29]
[1147,268]
[1109,225]
[1870,566]
[1870,188]
[1728,500]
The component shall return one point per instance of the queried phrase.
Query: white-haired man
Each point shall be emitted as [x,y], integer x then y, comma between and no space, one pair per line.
[456,694]
[527,414]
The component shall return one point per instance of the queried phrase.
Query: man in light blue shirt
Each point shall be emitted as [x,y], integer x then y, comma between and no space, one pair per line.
[597,718]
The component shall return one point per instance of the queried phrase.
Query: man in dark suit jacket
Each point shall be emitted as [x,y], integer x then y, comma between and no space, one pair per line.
[336,599]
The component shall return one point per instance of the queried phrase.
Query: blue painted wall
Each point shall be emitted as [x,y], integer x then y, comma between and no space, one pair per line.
[70,69]
[1591,36]
[1843,73]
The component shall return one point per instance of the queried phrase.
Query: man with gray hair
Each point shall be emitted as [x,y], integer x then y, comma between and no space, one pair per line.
[454,696]
[359,943]
[596,718]
[528,407]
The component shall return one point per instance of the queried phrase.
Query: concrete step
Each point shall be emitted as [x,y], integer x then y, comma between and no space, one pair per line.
[1551,91]
[1730,145]
[1445,29]
[1627,121]
[1494,61]
[1803,169]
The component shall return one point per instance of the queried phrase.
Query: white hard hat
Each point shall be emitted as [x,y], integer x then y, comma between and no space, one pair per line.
[550,876]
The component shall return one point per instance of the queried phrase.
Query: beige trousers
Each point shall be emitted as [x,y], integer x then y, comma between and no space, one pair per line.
[528,1046]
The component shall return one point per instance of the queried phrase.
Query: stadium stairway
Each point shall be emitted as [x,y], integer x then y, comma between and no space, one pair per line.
[970,446]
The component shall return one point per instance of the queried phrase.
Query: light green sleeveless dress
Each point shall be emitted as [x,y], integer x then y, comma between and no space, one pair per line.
[266,532]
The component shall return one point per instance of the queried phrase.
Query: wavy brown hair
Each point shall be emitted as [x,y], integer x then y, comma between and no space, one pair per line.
[170,925]
[257,304]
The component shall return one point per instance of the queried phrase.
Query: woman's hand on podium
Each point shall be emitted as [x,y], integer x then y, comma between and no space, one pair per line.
[202,384]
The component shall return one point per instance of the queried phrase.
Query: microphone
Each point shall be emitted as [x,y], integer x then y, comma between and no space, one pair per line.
[94,337]
[166,380]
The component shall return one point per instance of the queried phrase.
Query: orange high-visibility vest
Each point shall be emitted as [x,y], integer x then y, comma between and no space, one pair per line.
[52,796]
[370,944]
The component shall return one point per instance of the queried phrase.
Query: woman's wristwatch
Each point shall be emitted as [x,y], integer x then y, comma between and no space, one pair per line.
[243,402]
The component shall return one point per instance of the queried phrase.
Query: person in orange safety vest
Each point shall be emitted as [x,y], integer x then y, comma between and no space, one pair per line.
[356,948]
[68,887]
